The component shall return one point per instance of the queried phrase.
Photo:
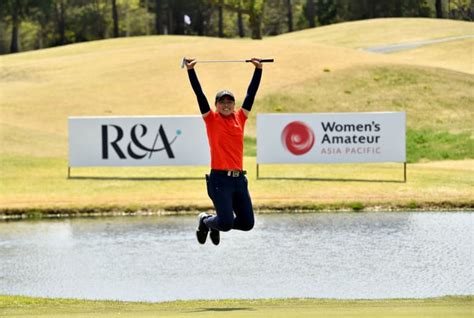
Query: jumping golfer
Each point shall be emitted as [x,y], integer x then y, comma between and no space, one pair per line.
[226,183]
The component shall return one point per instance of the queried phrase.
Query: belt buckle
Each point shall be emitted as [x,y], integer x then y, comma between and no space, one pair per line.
[234,173]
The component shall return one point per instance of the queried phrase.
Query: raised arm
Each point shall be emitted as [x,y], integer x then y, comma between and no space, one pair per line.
[253,87]
[201,98]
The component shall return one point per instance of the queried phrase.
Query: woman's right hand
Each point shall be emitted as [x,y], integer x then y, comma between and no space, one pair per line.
[190,63]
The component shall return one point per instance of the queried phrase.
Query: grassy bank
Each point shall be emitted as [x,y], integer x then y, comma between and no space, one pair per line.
[41,185]
[435,307]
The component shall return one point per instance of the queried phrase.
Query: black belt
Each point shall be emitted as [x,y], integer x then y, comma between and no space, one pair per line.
[230,173]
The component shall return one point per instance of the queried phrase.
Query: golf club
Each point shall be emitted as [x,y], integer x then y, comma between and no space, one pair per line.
[183,61]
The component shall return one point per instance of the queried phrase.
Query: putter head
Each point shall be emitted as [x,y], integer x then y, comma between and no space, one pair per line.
[182,62]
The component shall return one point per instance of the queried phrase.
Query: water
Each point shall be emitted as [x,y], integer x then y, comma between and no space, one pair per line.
[344,255]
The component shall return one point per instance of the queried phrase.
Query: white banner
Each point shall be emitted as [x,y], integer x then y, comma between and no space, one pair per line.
[331,137]
[138,141]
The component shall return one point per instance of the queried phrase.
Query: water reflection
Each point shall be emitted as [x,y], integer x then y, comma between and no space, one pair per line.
[345,255]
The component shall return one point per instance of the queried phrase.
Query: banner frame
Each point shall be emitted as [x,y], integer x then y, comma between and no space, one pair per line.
[258,177]
[133,117]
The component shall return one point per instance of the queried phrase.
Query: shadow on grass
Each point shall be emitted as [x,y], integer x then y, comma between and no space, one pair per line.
[202,178]
[329,180]
[134,178]
[222,309]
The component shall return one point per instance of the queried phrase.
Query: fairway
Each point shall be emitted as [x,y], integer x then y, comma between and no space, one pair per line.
[446,307]
[29,186]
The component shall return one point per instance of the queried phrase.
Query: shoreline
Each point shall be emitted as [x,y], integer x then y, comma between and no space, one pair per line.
[12,214]
[223,300]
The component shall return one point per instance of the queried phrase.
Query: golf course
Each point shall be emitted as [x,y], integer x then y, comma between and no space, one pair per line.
[320,70]
[316,70]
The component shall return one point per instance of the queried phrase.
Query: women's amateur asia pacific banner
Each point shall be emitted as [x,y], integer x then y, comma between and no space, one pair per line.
[331,137]
[137,141]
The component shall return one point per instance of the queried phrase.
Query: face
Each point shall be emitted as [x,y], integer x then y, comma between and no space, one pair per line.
[225,106]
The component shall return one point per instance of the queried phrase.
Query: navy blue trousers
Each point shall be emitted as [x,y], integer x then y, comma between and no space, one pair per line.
[230,195]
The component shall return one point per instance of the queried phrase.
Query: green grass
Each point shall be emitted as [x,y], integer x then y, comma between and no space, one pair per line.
[357,206]
[428,144]
[446,307]
[250,146]
[41,184]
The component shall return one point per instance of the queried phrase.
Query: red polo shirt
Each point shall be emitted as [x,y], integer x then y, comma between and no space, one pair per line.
[226,139]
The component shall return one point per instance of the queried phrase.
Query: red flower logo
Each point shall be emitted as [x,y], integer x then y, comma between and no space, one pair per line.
[297,138]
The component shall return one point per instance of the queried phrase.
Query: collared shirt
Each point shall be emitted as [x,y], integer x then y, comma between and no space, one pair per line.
[226,134]
[226,139]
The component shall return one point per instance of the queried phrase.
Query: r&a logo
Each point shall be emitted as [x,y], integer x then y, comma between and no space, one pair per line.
[135,149]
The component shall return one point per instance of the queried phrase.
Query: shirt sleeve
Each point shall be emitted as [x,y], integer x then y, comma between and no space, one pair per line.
[252,90]
[201,98]
[241,116]
[209,118]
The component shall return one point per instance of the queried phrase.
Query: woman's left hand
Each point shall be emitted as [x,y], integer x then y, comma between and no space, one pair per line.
[256,62]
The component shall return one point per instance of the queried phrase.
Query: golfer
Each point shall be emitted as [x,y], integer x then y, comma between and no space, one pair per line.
[227,185]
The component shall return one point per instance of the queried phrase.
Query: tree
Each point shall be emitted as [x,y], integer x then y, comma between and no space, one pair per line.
[290,15]
[439,9]
[157,8]
[43,16]
[115,18]
[327,11]
[16,11]
[253,8]
[57,22]
[3,36]
[158,18]
[60,15]
[220,9]
[461,9]
[202,17]
[255,11]
[240,22]
[175,14]
[310,13]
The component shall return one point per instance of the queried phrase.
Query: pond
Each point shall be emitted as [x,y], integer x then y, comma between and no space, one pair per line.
[322,255]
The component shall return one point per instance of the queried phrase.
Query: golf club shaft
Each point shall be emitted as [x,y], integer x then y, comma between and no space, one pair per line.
[235,61]
[228,61]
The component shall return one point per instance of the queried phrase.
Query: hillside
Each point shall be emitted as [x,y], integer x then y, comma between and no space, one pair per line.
[318,70]
[376,32]
[141,76]
[456,55]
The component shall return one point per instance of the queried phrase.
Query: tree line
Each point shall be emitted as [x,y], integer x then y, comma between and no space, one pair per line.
[35,24]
